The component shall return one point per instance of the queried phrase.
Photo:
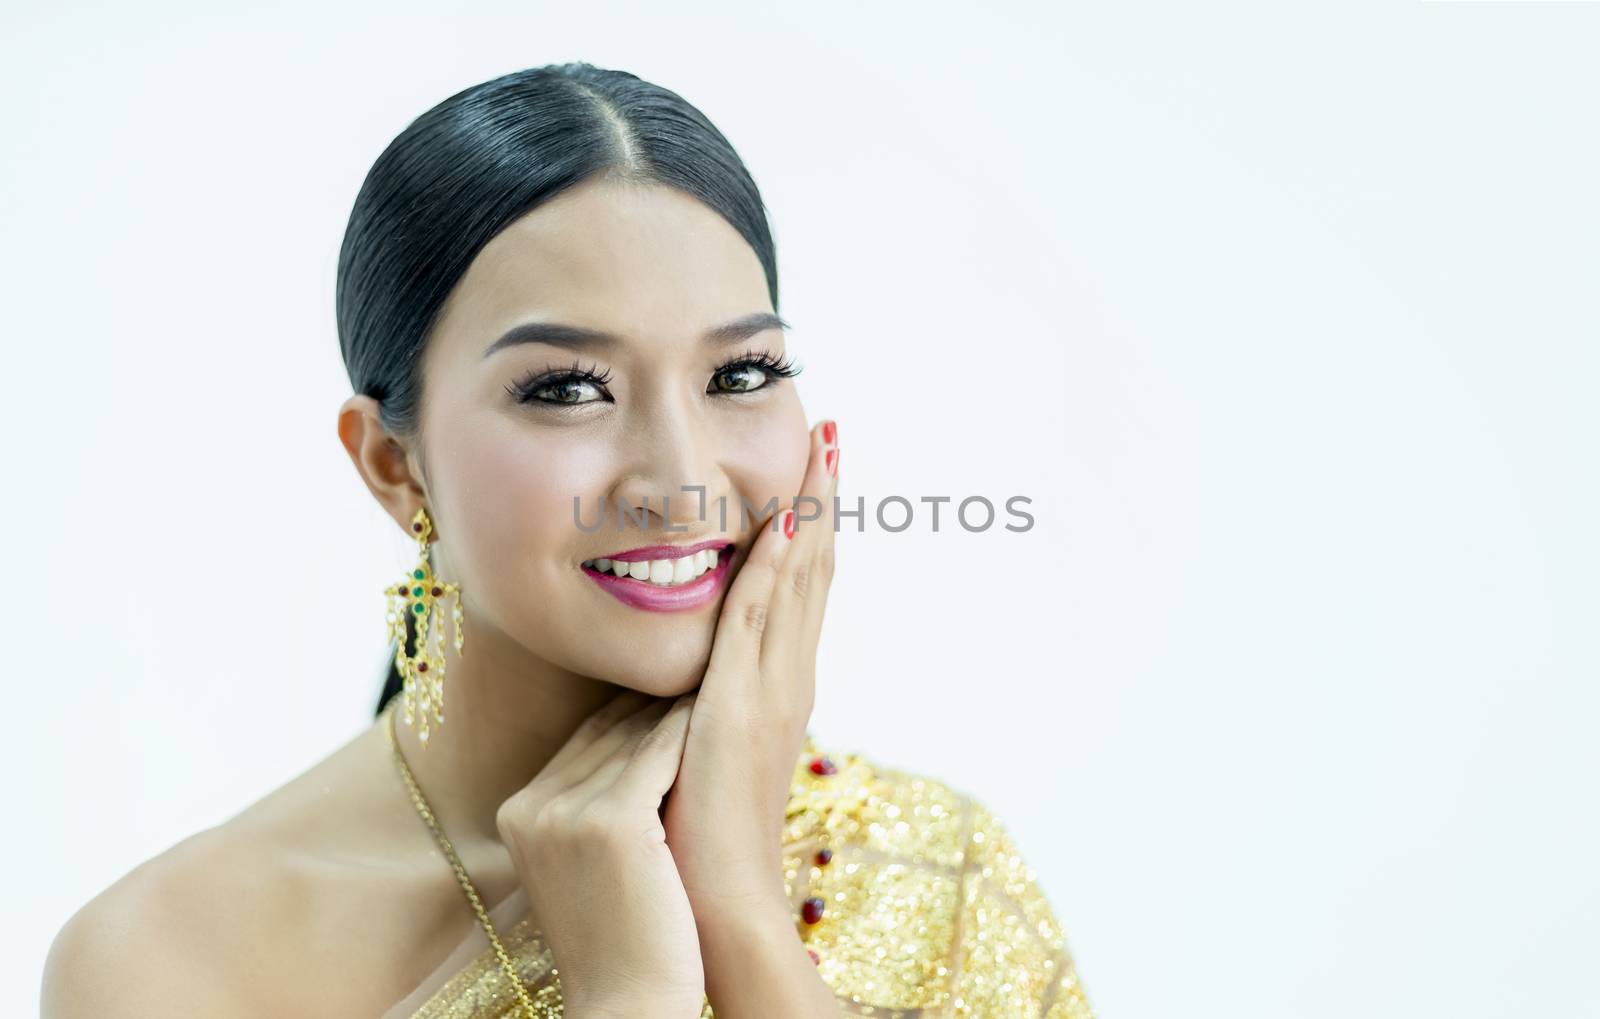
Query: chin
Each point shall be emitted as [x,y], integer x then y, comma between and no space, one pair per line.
[673,676]
[638,662]
[658,685]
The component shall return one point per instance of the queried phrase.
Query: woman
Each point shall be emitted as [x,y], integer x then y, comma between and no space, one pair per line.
[591,789]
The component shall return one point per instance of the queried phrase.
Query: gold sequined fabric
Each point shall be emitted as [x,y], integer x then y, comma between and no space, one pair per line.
[929,910]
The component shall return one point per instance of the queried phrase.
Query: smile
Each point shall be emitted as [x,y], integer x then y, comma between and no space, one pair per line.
[664,578]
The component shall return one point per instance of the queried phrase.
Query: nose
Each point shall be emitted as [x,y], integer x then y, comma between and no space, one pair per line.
[671,480]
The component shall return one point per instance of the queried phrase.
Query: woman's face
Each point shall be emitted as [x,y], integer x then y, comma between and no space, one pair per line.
[511,438]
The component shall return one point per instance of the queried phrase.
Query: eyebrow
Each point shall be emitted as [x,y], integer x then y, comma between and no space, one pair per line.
[582,338]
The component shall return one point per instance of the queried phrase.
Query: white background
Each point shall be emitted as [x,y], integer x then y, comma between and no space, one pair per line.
[1285,320]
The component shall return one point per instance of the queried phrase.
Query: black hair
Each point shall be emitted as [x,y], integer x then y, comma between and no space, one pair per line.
[467,168]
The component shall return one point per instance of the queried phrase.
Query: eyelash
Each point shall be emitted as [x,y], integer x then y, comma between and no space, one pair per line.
[523,391]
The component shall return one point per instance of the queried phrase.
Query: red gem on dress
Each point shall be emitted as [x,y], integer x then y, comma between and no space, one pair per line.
[811,910]
[823,856]
[822,766]
[422,666]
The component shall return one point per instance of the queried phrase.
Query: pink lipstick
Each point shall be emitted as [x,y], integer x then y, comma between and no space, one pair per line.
[642,594]
[665,551]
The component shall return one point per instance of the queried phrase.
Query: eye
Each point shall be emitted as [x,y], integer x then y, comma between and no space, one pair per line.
[751,372]
[742,378]
[566,387]
[565,391]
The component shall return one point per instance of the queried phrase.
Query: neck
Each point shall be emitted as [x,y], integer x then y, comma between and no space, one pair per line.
[506,714]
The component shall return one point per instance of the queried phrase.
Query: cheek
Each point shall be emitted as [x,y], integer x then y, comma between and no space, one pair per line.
[513,495]
[772,450]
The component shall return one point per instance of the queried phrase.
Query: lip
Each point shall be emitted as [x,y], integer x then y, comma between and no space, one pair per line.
[642,594]
[649,552]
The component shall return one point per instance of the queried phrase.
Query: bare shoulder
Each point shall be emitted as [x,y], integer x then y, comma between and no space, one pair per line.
[295,895]
[156,942]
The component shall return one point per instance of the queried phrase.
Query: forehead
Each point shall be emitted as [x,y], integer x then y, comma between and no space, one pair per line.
[643,260]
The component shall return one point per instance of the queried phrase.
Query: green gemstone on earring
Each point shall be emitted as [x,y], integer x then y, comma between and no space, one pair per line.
[418,574]
[417,591]
[418,608]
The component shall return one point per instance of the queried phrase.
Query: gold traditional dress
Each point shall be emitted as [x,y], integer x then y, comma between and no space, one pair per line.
[911,896]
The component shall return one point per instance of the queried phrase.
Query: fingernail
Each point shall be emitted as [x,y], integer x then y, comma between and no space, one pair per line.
[788,524]
[833,461]
[830,432]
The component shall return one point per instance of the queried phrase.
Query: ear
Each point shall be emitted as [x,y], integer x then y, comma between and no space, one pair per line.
[384,462]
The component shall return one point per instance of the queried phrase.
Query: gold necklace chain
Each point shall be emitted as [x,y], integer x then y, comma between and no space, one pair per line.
[455,864]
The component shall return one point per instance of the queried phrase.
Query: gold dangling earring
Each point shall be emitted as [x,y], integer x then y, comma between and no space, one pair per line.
[422,673]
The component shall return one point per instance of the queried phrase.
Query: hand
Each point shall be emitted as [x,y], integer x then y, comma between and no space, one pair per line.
[724,817]
[588,844]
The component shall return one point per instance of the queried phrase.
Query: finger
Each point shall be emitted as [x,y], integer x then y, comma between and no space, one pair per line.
[641,772]
[798,581]
[593,727]
[827,540]
[742,620]
[615,741]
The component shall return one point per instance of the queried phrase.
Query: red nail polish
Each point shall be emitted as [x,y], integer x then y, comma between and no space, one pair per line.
[833,461]
[788,524]
[830,432]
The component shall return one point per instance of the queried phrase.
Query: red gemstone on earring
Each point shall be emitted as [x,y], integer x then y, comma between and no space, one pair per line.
[416,527]
[822,766]
[438,591]
[811,910]
[816,960]
[823,856]
[422,666]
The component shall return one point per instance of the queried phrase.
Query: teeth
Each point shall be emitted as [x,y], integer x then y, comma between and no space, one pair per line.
[661,572]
